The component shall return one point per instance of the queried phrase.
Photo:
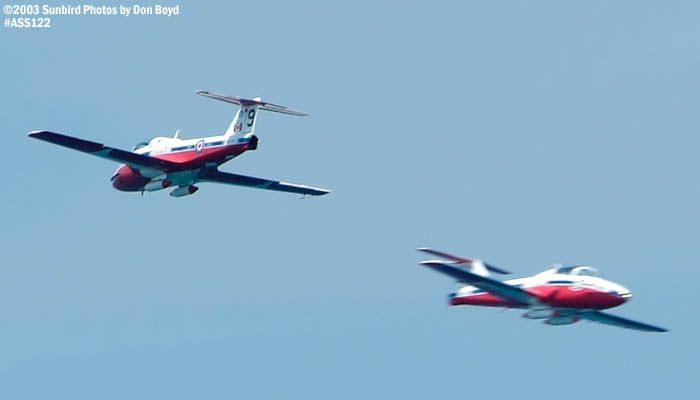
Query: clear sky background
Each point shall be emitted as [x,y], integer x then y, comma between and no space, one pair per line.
[523,133]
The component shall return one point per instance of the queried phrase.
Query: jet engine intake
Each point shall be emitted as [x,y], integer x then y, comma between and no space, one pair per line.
[562,320]
[159,184]
[184,191]
[540,313]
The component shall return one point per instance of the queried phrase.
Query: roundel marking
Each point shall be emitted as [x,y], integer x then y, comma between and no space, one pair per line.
[199,146]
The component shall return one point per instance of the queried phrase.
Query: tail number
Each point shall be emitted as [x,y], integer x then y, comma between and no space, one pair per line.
[251,117]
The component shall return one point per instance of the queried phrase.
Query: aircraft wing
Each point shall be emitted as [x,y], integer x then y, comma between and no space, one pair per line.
[214,175]
[490,285]
[137,161]
[614,320]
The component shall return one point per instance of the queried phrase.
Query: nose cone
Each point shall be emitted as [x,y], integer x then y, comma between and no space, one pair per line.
[451,299]
[122,183]
[116,182]
[127,180]
[624,293]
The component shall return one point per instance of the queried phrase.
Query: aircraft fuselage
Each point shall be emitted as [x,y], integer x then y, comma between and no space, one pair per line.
[557,291]
[193,155]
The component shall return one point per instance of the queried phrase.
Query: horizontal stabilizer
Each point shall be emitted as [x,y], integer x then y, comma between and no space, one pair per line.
[249,102]
[461,260]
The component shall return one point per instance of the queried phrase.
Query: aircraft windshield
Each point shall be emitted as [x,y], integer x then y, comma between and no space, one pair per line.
[579,270]
[140,145]
[143,144]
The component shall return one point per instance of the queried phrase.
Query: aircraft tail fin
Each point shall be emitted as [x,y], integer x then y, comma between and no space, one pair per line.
[477,267]
[243,123]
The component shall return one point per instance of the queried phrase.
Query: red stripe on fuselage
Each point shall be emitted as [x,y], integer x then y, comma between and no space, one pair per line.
[565,296]
[483,299]
[197,159]
[569,296]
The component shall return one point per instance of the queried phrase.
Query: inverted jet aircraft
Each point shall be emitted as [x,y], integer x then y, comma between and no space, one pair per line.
[165,162]
[559,296]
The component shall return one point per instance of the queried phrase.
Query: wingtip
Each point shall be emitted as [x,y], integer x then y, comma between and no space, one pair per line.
[316,192]
[42,134]
[425,249]
[321,191]
[655,329]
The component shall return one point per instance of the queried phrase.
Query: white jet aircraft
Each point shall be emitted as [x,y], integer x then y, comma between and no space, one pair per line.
[166,162]
[559,296]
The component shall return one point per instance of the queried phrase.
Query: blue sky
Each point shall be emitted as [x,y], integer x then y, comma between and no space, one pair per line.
[522,133]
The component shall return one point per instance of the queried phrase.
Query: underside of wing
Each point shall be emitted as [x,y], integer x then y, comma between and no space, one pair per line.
[614,320]
[213,175]
[494,286]
[98,149]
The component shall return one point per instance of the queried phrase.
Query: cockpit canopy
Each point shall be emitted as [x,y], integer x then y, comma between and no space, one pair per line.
[140,145]
[143,144]
[581,270]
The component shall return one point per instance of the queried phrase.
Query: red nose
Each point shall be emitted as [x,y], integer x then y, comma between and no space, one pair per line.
[128,180]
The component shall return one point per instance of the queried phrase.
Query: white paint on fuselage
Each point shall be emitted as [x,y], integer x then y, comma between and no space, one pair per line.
[164,145]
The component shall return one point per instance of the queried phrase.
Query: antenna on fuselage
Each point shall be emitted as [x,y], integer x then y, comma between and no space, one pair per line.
[177,133]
